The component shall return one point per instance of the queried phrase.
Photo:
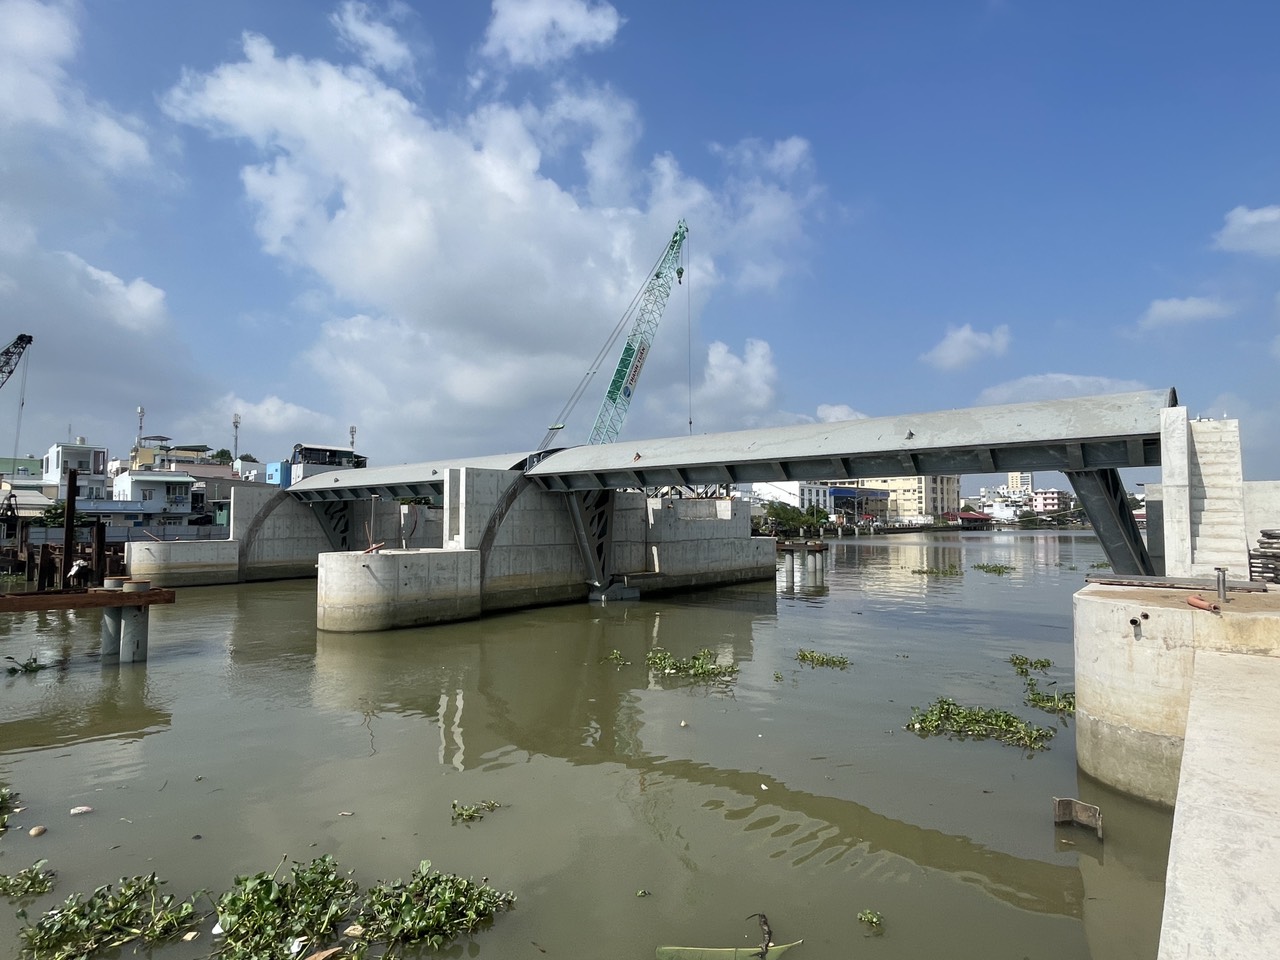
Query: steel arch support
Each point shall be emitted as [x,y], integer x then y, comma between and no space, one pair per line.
[1107,506]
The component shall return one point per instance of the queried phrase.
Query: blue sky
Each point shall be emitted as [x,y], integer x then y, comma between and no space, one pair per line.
[424,219]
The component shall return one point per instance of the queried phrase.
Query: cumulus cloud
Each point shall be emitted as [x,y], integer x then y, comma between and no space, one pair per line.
[1255,231]
[1055,386]
[377,43]
[137,306]
[487,254]
[1176,311]
[535,33]
[963,345]
[833,412]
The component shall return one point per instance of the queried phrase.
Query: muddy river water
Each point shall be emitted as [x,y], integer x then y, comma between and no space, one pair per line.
[795,791]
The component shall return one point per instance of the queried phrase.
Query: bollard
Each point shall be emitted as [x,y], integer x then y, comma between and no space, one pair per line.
[789,562]
[820,566]
[1222,583]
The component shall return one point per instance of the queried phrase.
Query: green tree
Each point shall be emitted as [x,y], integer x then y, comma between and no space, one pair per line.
[55,516]
[222,455]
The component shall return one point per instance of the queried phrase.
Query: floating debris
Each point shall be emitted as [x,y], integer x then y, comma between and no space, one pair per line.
[816,659]
[871,918]
[78,811]
[999,569]
[467,812]
[37,831]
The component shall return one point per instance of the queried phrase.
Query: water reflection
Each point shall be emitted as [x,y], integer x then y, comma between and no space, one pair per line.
[795,790]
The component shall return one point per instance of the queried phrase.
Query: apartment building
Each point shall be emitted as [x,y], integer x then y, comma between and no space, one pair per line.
[917,499]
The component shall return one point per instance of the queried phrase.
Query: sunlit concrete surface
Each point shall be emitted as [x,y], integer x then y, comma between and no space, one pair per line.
[1222,896]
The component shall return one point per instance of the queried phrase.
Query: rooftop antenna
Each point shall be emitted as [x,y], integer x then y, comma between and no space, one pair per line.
[142,412]
[235,435]
[353,438]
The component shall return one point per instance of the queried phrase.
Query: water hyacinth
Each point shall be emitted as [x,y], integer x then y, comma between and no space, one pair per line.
[701,667]
[945,716]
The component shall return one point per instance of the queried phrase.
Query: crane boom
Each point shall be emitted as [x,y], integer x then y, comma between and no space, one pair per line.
[10,356]
[652,301]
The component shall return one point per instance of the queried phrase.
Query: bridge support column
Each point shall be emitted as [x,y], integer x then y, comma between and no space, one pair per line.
[1107,506]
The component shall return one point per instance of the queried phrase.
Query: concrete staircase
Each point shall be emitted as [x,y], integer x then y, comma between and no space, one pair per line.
[1216,488]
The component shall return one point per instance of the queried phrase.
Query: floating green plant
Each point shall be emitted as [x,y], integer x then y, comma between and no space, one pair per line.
[1100,565]
[1024,665]
[466,812]
[777,676]
[701,666]
[950,570]
[616,657]
[109,918]
[262,915]
[1049,702]
[816,659]
[8,799]
[945,716]
[31,882]
[871,918]
[29,665]
[265,916]
[999,569]
[431,909]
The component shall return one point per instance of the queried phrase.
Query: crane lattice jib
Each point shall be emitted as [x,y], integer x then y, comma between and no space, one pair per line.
[11,355]
[617,399]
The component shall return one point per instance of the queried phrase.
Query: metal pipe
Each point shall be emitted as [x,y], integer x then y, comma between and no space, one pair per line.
[1222,583]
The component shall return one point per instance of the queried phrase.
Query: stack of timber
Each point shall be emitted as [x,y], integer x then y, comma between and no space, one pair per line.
[1264,563]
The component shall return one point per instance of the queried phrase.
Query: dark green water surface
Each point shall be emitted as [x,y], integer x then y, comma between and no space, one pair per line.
[249,734]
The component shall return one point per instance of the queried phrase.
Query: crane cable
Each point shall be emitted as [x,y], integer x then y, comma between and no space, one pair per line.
[22,400]
[688,325]
[623,323]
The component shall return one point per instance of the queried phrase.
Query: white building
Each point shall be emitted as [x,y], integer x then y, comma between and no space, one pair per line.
[152,496]
[89,462]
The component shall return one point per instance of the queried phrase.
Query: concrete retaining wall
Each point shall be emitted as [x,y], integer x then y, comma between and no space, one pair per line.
[1135,650]
[183,563]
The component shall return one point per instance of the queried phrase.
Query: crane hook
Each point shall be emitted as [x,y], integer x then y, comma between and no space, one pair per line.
[679,274]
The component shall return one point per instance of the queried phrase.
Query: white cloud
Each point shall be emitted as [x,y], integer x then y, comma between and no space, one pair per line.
[36,96]
[535,33]
[963,345]
[450,240]
[1055,386]
[834,412]
[1255,231]
[375,42]
[1180,310]
[137,306]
